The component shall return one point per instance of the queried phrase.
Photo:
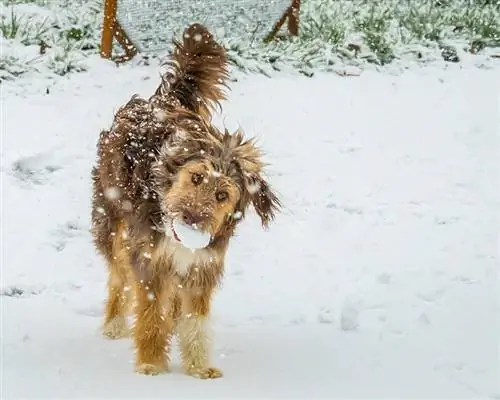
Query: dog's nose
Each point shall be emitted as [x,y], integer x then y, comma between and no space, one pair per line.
[191,218]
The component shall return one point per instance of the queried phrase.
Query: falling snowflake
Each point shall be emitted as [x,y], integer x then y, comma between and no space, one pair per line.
[127,205]
[159,115]
[112,193]
[253,187]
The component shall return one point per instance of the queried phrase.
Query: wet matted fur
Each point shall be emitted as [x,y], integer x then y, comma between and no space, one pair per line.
[162,160]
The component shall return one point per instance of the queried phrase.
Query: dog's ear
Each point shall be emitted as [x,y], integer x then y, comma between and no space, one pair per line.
[264,200]
[247,159]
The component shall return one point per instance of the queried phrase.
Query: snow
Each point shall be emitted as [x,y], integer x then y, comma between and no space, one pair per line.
[379,279]
[189,236]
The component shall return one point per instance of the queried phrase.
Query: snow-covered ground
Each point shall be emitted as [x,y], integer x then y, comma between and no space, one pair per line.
[379,279]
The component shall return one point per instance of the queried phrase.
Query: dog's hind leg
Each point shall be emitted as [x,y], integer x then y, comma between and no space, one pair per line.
[119,295]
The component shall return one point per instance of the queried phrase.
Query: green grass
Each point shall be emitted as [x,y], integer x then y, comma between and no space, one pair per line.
[59,41]
[23,29]
[375,26]
[387,25]
[332,33]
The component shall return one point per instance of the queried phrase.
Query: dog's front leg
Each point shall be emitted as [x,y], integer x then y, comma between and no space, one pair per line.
[153,326]
[193,330]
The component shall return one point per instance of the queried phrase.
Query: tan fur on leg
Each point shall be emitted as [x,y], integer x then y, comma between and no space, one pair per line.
[153,326]
[115,325]
[194,337]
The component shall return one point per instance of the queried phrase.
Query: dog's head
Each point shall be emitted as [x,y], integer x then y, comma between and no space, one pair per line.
[209,178]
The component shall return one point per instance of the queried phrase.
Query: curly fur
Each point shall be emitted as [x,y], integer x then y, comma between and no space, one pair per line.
[151,147]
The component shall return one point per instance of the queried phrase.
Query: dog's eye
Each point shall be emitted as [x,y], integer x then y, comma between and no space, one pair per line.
[221,196]
[196,178]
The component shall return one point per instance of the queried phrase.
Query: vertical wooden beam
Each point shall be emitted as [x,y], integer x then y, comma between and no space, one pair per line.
[108,27]
[127,45]
[292,15]
[276,28]
[293,18]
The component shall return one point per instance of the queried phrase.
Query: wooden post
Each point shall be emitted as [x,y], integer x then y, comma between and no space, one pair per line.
[292,15]
[108,27]
[122,38]
[293,18]
[111,29]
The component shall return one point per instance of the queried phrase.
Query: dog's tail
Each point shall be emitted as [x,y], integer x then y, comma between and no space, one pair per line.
[198,71]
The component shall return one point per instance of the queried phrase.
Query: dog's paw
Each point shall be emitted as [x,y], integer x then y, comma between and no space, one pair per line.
[150,369]
[116,329]
[205,373]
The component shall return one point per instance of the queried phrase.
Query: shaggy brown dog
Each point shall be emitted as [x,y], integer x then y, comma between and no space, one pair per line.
[163,160]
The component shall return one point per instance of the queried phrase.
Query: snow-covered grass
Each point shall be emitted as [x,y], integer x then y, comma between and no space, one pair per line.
[379,279]
[333,34]
[43,36]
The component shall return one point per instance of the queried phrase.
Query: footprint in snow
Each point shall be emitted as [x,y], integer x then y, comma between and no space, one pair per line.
[384,279]
[227,352]
[38,169]
[93,311]
[19,291]
[65,233]
[299,320]
[446,220]
[325,316]
[345,208]
[349,315]
[349,149]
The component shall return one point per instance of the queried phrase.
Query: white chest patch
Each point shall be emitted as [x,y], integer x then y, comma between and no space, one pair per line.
[183,258]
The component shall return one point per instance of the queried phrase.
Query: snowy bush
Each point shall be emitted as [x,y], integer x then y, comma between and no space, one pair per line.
[59,34]
[338,32]
[54,35]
